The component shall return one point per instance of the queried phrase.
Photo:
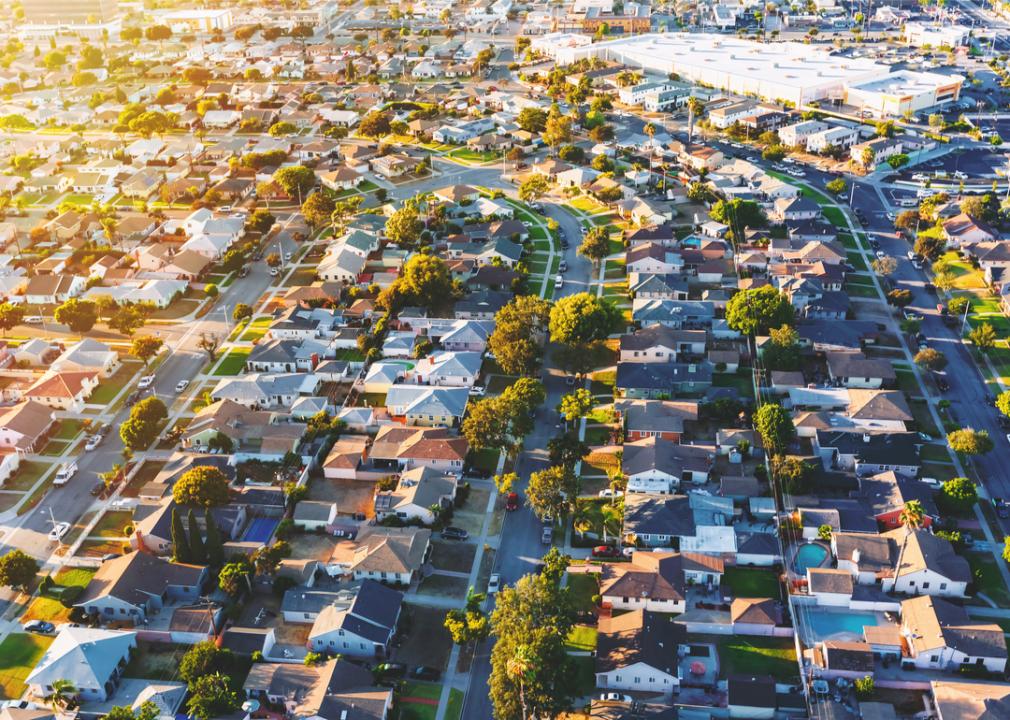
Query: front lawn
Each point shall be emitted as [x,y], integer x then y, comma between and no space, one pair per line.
[454,708]
[257,328]
[758,656]
[582,587]
[485,460]
[752,582]
[109,388]
[69,429]
[582,638]
[233,363]
[19,654]
[27,475]
[987,578]
[113,525]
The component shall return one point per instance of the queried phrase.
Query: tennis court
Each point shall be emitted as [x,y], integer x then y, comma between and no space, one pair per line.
[260,530]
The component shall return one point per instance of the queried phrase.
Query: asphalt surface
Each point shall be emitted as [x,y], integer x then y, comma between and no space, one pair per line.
[519,550]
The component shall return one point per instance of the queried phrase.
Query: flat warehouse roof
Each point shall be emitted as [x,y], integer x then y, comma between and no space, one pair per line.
[696,54]
[907,83]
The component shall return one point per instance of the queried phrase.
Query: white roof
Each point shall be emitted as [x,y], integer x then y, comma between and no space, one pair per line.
[87,657]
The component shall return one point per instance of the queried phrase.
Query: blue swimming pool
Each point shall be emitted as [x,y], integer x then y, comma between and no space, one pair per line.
[260,530]
[826,624]
[810,555]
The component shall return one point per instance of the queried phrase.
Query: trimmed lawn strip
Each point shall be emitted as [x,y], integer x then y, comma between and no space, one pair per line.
[752,582]
[233,363]
[987,577]
[454,708]
[19,654]
[27,475]
[581,638]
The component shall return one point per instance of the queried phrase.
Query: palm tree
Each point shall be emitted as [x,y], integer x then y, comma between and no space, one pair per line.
[694,108]
[612,517]
[519,668]
[911,517]
[581,524]
[64,692]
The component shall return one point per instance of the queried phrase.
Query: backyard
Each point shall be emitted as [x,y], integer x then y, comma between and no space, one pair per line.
[752,582]
[19,653]
[758,656]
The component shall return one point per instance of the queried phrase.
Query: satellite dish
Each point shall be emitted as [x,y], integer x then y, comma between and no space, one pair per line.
[251,706]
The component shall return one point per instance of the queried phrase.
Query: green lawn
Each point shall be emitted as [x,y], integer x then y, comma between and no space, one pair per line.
[27,475]
[598,435]
[19,653]
[454,708]
[69,429]
[582,587]
[859,290]
[758,656]
[415,710]
[233,363]
[113,524]
[468,155]
[584,669]
[109,388]
[257,328]
[350,355]
[988,578]
[582,638]
[752,582]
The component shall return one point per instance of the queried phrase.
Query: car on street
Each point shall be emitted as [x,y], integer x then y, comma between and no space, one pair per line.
[559,282]
[59,530]
[244,272]
[606,551]
[615,697]
[181,386]
[611,493]
[454,533]
[33,320]
[493,583]
[97,489]
[753,159]
[145,382]
[93,442]
[911,315]
[512,501]
[478,390]
[423,672]
[67,470]
[547,535]
[274,272]
[880,254]
[563,266]
[40,627]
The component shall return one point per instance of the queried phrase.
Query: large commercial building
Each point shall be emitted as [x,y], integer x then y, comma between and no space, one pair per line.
[787,71]
[70,12]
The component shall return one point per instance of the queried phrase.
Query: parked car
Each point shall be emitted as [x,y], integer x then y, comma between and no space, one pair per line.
[33,320]
[423,672]
[391,670]
[93,442]
[58,531]
[181,386]
[547,535]
[477,390]
[274,272]
[244,272]
[145,382]
[512,501]
[97,489]
[615,697]
[563,266]
[606,551]
[455,533]
[610,493]
[493,583]
[40,627]
[67,470]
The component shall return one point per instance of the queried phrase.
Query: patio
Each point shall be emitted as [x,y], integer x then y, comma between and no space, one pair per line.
[699,667]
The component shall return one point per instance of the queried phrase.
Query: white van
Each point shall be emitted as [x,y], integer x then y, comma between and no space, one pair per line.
[558,282]
[67,471]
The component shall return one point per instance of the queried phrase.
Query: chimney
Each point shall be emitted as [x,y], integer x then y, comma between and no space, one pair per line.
[856,555]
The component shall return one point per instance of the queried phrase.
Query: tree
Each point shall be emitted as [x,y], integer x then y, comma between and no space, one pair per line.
[968,441]
[150,409]
[836,186]
[515,340]
[755,310]
[318,209]
[295,180]
[531,119]
[241,312]
[982,207]
[205,658]
[268,558]
[144,423]
[374,125]
[534,187]
[558,130]
[78,315]
[158,33]
[776,427]
[11,316]
[957,305]
[425,280]
[596,244]
[197,551]
[983,336]
[505,482]
[196,75]
[1003,402]
[63,695]
[147,711]
[205,486]
[898,160]
[959,495]
[885,265]
[234,576]
[180,544]
[209,343]
[553,492]
[1006,548]
[824,533]
[793,474]
[566,449]
[930,359]
[282,128]
[863,687]
[211,696]
[930,245]
[273,260]
[907,220]
[783,352]
[214,543]
[470,623]
[404,226]
[582,319]
[575,405]
[531,673]
[17,569]
[739,213]
[485,425]
[128,319]
[54,59]
[261,221]
[899,297]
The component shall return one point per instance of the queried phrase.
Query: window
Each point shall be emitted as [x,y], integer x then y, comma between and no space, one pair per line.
[638,680]
[943,586]
[925,586]
[934,658]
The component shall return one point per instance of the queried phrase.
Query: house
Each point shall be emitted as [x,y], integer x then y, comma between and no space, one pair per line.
[53,289]
[637,651]
[939,635]
[334,689]
[962,699]
[262,390]
[656,520]
[92,660]
[843,659]
[655,465]
[755,616]
[419,491]
[926,565]
[963,229]
[855,370]
[677,314]
[660,343]
[386,554]
[655,581]
[661,380]
[25,427]
[402,448]
[130,587]
[364,628]
[88,355]
[427,406]
[885,495]
[314,515]
[448,368]
[655,418]
[869,453]
[346,457]
[63,390]
[830,586]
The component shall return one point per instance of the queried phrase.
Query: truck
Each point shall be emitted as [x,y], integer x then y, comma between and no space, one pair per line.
[67,470]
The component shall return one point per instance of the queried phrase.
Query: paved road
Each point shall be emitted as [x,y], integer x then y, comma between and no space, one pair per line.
[520,549]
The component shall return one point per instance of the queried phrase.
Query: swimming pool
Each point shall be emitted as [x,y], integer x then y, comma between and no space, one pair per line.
[810,555]
[260,530]
[826,624]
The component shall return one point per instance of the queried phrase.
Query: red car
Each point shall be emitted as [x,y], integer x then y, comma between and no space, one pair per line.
[512,501]
[605,551]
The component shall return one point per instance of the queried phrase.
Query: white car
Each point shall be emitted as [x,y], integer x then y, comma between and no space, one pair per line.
[615,697]
[145,382]
[493,584]
[93,442]
[181,386]
[610,493]
[274,272]
[477,390]
[287,256]
[58,531]
[33,320]
[881,254]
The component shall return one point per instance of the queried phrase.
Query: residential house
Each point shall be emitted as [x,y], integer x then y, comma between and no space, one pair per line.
[637,651]
[661,380]
[346,458]
[447,368]
[660,343]
[364,628]
[855,370]
[427,406]
[655,418]
[314,515]
[940,636]
[24,427]
[63,390]
[88,356]
[392,555]
[926,565]
[421,494]
[334,689]
[92,660]
[399,447]
[655,465]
